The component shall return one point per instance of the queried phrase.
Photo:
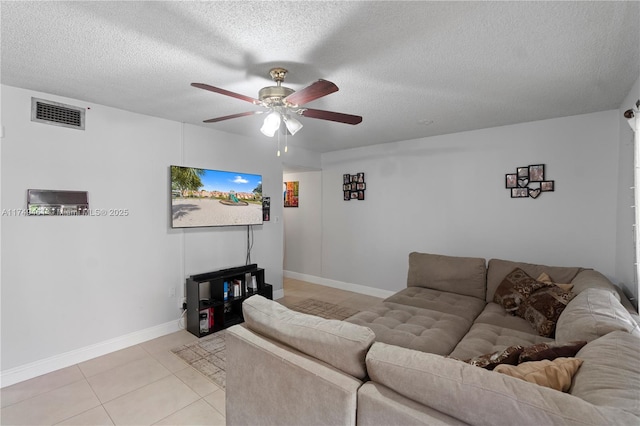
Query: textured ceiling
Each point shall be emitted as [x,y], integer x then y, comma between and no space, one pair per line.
[411,69]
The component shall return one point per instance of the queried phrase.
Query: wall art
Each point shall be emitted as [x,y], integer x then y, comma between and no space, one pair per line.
[291,193]
[266,209]
[353,186]
[528,182]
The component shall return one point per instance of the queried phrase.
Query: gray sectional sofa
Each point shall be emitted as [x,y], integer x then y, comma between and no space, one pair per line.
[399,361]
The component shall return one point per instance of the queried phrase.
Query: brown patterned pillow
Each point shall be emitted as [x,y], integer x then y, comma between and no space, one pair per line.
[509,355]
[550,351]
[543,308]
[514,289]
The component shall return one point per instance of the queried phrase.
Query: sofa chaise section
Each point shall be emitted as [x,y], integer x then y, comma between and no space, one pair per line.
[284,367]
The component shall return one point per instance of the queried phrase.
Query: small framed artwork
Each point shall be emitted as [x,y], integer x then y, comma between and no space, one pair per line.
[511,180]
[291,190]
[536,173]
[523,172]
[519,192]
[353,186]
[547,185]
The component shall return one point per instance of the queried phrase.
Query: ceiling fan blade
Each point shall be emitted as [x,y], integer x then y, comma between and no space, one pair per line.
[312,92]
[228,117]
[331,116]
[226,92]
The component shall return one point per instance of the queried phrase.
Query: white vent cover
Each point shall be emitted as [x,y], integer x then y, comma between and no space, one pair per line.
[57,114]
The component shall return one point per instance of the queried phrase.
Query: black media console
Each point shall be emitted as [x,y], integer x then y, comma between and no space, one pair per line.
[209,309]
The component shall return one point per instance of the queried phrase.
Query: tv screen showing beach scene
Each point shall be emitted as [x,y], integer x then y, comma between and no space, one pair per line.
[201,197]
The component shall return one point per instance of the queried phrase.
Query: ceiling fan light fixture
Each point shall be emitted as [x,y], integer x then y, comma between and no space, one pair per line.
[292,124]
[271,124]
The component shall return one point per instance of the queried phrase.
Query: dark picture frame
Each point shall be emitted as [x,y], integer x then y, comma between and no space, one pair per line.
[536,173]
[547,186]
[353,186]
[523,172]
[519,192]
[511,180]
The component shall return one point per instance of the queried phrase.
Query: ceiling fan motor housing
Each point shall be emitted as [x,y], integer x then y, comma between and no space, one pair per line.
[273,95]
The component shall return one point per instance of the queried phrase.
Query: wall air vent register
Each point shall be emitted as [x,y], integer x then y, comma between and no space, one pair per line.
[57,114]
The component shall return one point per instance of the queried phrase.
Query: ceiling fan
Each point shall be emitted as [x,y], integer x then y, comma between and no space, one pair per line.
[282,103]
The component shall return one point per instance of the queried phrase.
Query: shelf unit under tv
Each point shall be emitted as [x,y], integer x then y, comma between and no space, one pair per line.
[225,313]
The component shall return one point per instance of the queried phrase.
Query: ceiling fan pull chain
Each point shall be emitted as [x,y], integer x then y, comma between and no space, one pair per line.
[278,144]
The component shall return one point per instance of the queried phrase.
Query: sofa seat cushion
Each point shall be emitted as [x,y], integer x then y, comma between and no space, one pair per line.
[338,343]
[478,396]
[498,269]
[467,307]
[610,372]
[487,338]
[414,328]
[495,314]
[462,275]
[594,313]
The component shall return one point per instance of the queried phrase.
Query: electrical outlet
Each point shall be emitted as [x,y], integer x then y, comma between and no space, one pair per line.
[172,292]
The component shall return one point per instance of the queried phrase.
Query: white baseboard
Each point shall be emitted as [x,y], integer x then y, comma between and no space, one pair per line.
[357,288]
[56,362]
[278,294]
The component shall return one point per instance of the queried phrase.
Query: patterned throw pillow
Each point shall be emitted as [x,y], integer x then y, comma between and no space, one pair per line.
[509,355]
[515,289]
[550,351]
[543,308]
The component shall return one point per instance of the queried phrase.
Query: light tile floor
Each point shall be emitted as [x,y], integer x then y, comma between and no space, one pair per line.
[144,384]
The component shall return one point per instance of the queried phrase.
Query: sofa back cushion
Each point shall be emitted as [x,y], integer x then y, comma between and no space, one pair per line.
[594,313]
[340,344]
[461,275]
[610,373]
[498,269]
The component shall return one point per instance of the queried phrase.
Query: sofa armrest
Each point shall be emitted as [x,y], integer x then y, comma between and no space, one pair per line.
[478,396]
[268,383]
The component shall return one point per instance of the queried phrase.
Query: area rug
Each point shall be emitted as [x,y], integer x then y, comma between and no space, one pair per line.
[208,354]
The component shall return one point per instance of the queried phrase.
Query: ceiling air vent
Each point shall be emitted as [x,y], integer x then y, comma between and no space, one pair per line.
[57,114]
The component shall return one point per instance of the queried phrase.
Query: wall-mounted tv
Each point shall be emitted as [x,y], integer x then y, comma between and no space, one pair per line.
[201,197]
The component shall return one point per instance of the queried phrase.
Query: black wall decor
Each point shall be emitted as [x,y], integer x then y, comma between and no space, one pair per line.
[353,186]
[528,181]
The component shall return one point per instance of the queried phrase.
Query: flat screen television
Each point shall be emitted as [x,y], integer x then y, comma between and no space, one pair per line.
[201,197]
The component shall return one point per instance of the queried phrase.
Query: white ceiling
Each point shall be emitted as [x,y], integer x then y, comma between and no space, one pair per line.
[454,65]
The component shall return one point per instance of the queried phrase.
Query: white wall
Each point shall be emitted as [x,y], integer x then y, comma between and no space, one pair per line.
[625,250]
[303,226]
[447,195]
[73,287]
